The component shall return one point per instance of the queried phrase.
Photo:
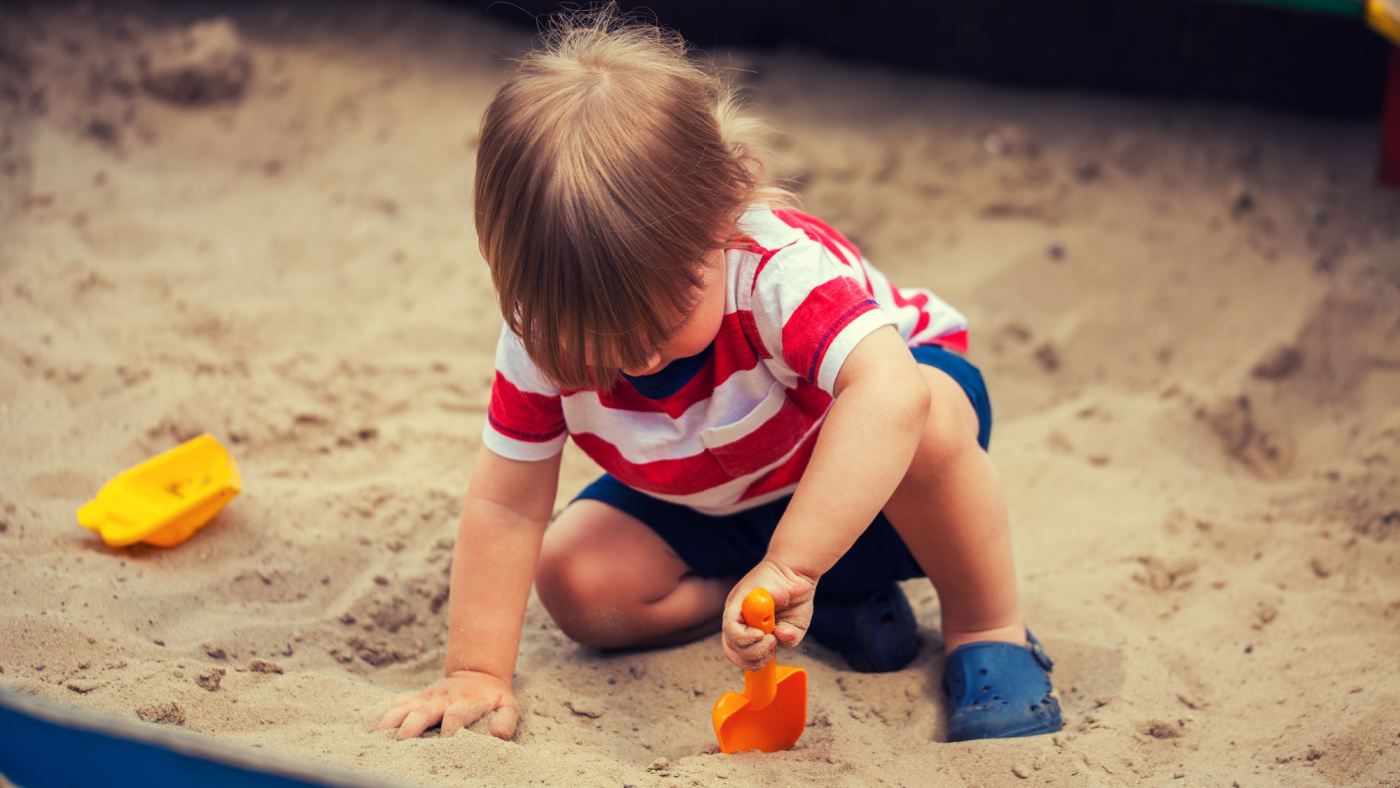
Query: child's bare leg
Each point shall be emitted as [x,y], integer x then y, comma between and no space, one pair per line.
[609,582]
[950,511]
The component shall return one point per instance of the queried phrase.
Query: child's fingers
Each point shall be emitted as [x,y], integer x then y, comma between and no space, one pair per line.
[394,718]
[746,637]
[507,716]
[740,634]
[799,614]
[421,719]
[753,656]
[463,713]
[733,656]
[749,646]
[788,635]
[792,624]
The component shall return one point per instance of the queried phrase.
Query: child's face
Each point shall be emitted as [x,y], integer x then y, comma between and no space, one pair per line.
[698,327]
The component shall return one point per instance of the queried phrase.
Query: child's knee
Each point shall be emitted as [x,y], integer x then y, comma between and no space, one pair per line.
[578,595]
[563,581]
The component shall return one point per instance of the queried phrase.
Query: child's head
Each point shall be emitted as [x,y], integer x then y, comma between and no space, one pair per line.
[609,165]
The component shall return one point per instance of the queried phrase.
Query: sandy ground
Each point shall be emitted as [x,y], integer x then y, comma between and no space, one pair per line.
[1188,316]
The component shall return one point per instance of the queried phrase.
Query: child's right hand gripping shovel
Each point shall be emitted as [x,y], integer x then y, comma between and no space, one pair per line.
[772,711]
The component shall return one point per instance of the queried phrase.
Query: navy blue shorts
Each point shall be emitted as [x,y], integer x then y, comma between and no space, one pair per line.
[731,545]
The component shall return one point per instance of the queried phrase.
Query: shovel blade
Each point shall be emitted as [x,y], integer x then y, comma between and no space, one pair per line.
[773,728]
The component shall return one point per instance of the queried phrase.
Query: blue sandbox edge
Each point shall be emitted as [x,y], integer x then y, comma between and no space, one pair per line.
[44,745]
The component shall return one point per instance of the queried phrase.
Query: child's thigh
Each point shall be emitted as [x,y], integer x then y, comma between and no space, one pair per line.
[592,547]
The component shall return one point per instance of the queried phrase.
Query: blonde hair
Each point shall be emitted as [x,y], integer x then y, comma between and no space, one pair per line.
[609,164]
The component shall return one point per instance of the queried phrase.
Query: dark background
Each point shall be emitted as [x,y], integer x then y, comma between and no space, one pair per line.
[1292,60]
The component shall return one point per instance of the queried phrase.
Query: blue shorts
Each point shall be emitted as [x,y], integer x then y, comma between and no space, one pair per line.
[731,545]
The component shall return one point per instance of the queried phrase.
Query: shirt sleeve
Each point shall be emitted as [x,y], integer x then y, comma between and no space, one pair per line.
[811,309]
[525,420]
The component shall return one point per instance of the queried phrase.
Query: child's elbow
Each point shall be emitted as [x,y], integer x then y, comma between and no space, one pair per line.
[918,401]
[905,399]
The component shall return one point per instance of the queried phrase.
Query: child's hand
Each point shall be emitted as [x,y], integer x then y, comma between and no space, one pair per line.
[457,701]
[746,646]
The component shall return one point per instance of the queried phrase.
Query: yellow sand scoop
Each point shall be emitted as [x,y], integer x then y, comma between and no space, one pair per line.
[165,499]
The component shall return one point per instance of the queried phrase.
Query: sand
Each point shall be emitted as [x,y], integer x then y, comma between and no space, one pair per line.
[1188,316]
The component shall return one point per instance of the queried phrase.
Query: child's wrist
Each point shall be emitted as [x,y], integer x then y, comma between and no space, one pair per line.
[462,673]
[794,571]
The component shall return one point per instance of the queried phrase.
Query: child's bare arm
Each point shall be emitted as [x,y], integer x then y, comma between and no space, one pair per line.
[861,455]
[498,544]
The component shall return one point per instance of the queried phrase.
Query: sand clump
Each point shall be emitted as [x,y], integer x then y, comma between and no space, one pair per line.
[263,666]
[211,679]
[163,712]
[1186,315]
[205,63]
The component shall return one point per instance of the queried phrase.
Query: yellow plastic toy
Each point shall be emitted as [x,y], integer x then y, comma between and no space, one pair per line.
[165,499]
[1384,17]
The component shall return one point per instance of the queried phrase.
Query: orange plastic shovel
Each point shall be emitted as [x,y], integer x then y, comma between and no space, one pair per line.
[771,713]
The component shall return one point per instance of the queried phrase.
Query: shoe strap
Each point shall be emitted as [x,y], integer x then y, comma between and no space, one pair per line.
[1039,652]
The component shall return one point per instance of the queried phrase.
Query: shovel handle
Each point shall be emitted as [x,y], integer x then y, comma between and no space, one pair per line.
[760,686]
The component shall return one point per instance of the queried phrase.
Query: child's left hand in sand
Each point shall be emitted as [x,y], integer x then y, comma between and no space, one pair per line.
[457,701]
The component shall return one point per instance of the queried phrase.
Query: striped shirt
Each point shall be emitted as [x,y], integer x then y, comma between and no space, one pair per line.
[740,431]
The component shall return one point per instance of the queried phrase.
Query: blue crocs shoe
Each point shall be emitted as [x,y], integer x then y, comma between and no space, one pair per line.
[1000,691]
[874,630]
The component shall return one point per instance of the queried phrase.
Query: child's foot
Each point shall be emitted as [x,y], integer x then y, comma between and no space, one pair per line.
[1000,691]
[874,630]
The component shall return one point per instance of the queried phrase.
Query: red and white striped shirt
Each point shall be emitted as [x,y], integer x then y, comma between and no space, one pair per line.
[739,433]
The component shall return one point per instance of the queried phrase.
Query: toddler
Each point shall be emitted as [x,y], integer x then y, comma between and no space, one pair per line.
[770,410]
